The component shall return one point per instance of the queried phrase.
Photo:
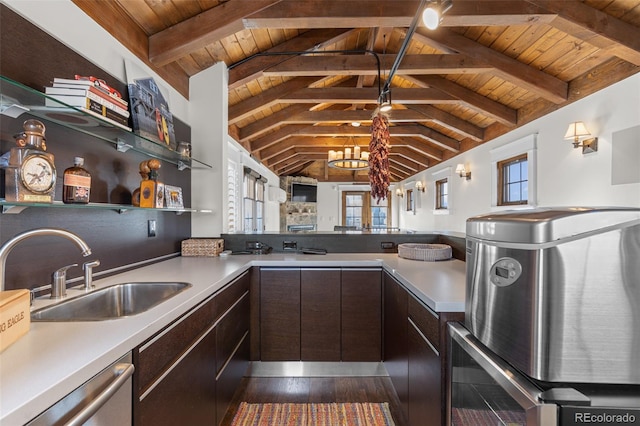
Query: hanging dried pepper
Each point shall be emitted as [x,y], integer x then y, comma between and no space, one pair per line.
[379,157]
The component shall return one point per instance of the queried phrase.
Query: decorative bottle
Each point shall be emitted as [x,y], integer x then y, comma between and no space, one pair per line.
[76,183]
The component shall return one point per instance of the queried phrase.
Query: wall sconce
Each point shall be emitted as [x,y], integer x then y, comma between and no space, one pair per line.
[399,192]
[432,14]
[578,130]
[462,171]
[420,186]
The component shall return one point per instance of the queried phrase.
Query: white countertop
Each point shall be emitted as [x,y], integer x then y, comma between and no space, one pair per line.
[54,358]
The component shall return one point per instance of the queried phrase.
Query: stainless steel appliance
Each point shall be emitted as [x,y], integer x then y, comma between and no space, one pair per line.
[485,390]
[556,292]
[104,400]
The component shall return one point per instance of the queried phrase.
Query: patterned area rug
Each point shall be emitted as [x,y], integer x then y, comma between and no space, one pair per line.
[333,414]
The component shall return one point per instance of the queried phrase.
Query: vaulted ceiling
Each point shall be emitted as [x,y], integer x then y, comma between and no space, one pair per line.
[491,66]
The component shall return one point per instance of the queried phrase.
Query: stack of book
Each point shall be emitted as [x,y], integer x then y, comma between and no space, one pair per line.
[89,97]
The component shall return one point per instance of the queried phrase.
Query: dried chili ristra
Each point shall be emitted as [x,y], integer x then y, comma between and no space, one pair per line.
[379,157]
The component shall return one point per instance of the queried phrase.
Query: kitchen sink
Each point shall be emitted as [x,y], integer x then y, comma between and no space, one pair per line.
[116,301]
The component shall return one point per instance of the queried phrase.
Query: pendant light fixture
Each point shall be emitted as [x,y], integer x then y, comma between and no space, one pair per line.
[432,14]
[350,158]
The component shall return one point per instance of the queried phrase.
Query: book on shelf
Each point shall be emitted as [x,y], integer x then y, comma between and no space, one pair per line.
[81,101]
[75,90]
[107,119]
[89,104]
[70,83]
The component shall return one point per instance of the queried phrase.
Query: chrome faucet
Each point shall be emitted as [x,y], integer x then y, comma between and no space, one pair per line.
[9,245]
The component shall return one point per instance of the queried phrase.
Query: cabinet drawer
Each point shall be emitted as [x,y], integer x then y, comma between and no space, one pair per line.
[426,321]
[230,330]
[230,294]
[159,353]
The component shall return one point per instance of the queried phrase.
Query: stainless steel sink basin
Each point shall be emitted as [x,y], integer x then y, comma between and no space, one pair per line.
[116,301]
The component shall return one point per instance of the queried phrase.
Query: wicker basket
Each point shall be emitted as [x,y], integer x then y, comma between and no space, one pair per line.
[425,252]
[202,247]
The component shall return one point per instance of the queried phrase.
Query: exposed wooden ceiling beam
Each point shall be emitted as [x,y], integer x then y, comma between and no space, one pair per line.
[495,13]
[451,122]
[496,110]
[133,38]
[323,65]
[595,27]
[270,122]
[350,95]
[267,98]
[207,27]
[507,68]
[411,155]
[334,14]
[274,137]
[308,41]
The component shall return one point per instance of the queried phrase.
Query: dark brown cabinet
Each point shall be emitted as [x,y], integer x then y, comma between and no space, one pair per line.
[361,314]
[187,373]
[396,349]
[424,389]
[415,353]
[320,314]
[280,314]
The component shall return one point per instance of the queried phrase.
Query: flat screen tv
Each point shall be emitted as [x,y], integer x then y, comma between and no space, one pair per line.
[304,193]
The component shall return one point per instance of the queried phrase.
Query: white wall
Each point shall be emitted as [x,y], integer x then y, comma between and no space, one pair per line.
[566,177]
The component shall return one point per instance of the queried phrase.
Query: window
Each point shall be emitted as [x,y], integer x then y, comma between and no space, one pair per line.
[442,194]
[380,213]
[253,201]
[411,202]
[354,208]
[361,210]
[513,183]
[513,174]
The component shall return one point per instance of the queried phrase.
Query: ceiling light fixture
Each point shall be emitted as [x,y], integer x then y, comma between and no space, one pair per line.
[578,130]
[432,14]
[384,101]
[351,158]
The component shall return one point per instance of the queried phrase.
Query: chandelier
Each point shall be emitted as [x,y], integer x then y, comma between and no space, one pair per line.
[351,158]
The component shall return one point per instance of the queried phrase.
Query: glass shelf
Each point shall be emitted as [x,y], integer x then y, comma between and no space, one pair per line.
[15,207]
[16,99]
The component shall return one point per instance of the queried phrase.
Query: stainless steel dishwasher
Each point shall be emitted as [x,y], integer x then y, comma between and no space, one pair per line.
[104,400]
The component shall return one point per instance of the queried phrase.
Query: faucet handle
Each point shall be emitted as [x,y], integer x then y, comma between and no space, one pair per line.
[59,282]
[87,267]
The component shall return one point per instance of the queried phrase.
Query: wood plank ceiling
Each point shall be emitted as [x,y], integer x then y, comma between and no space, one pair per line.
[491,66]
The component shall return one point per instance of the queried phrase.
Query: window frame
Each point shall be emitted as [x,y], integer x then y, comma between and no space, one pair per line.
[411,201]
[253,193]
[439,194]
[523,146]
[501,166]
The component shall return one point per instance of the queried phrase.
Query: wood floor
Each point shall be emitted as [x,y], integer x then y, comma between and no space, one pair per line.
[317,389]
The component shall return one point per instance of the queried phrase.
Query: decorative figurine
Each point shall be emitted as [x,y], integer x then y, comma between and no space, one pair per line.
[30,176]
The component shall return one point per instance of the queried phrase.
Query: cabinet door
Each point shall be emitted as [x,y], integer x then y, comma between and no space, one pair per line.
[361,314]
[280,314]
[396,350]
[232,353]
[186,394]
[424,380]
[320,314]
